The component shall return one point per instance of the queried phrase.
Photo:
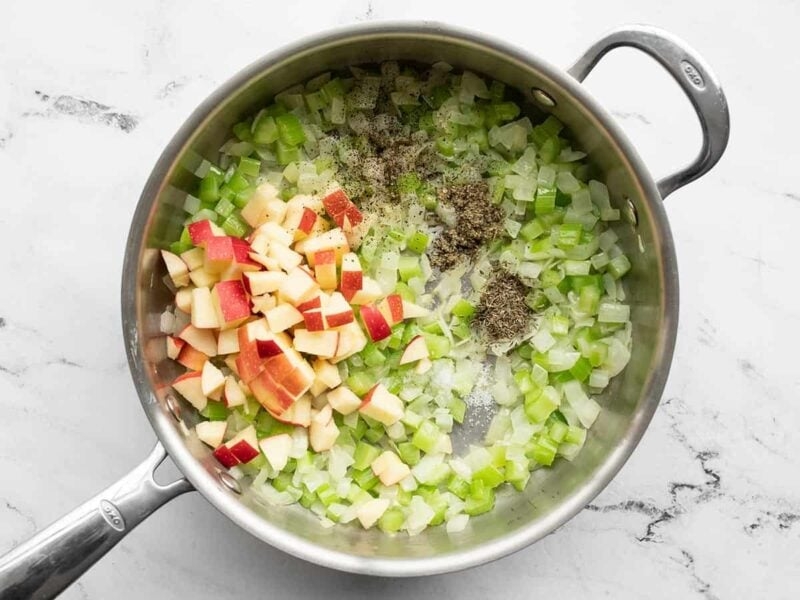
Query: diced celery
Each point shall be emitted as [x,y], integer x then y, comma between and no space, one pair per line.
[365,479]
[363,455]
[458,408]
[581,369]
[619,266]
[215,411]
[285,153]
[463,308]
[569,235]
[209,188]
[480,499]
[392,520]
[360,382]
[517,473]
[234,226]
[489,475]
[249,166]
[409,267]
[373,356]
[290,130]
[426,438]
[538,406]
[224,207]
[575,435]
[242,131]
[417,242]
[558,431]
[408,453]
[544,451]
[531,230]
[438,346]
[238,181]
[265,130]
[589,299]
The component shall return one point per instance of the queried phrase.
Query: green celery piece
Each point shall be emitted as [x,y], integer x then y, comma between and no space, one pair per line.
[463,308]
[209,188]
[539,406]
[365,479]
[545,201]
[265,130]
[373,356]
[395,341]
[461,330]
[408,453]
[479,500]
[250,167]
[235,227]
[238,182]
[552,125]
[531,230]
[315,101]
[578,282]
[618,266]
[405,292]
[409,267]
[445,147]
[489,475]
[525,351]
[581,369]
[327,495]
[589,299]
[285,153]
[551,277]
[524,381]
[290,130]
[517,474]
[240,199]
[597,354]
[544,451]
[332,89]
[426,437]
[224,207]
[575,435]
[438,345]
[417,242]
[374,435]
[505,111]
[392,520]
[497,90]
[557,431]
[360,382]
[550,149]
[458,486]
[242,131]
[458,408]
[408,183]
[282,482]
[569,235]
[307,499]
[215,411]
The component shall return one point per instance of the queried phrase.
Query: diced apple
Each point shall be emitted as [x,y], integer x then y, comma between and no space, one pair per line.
[228,342]
[343,400]
[191,358]
[244,445]
[314,319]
[274,233]
[277,448]
[306,224]
[201,231]
[391,308]
[189,385]
[174,346]
[204,316]
[326,372]
[341,209]
[299,380]
[263,304]
[325,269]
[183,299]
[322,431]
[202,278]
[268,348]
[298,413]
[423,366]
[219,254]
[351,341]
[212,379]
[338,311]
[232,394]
[319,343]
[369,292]
[383,406]
[177,269]
[330,240]
[414,311]
[194,258]
[352,278]
[265,390]
[258,283]
[389,468]
[282,317]
[202,339]
[313,303]
[211,432]
[287,259]
[301,215]
[375,323]
[262,205]
[231,303]
[372,510]
[226,458]
[298,286]
[416,350]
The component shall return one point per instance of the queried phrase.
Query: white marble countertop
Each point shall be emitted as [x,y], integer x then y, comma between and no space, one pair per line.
[709,505]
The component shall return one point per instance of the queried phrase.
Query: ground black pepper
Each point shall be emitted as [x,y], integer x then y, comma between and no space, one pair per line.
[477,222]
[502,312]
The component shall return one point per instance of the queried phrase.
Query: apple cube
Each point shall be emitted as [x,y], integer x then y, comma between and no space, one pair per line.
[211,379]
[352,277]
[231,303]
[330,240]
[299,380]
[416,350]
[265,390]
[273,232]
[326,373]
[286,258]
[258,283]
[228,342]
[202,339]
[263,204]
[298,286]
[282,317]
[277,448]
[343,400]
[191,358]
[338,311]
[313,303]
[322,431]
[319,343]
[325,269]
[391,308]
[370,291]
[306,224]
[202,231]
[219,254]
[211,432]
[202,278]
[298,413]
[341,209]
[183,299]
[383,406]
[301,215]
[375,323]
[189,385]
[177,269]
[233,395]
[314,320]
[372,510]
[244,445]
[226,458]
[351,341]
[194,258]
[389,468]
[414,311]
[204,315]
[174,347]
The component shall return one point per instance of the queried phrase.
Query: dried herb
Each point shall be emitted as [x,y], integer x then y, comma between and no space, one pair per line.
[477,222]
[502,312]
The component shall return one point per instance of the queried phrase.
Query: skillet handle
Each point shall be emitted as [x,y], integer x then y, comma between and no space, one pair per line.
[695,78]
[46,564]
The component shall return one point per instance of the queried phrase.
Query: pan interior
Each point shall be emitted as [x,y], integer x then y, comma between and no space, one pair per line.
[553,495]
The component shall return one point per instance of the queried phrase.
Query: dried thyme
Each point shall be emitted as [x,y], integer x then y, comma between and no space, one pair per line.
[502,313]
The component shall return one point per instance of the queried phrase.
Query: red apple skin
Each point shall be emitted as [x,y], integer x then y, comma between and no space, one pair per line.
[233,300]
[338,319]
[226,457]
[336,204]
[200,232]
[307,221]
[279,367]
[219,253]
[315,302]
[243,451]
[351,282]
[265,391]
[191,358]
[353,215]
[285,398]
[268,348]
[314,320]
[375,324]
[249,363]
[368,396]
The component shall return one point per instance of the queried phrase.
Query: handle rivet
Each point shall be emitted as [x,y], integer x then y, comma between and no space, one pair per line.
[543,98]
[173,406]
[229,482]
[630,212]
